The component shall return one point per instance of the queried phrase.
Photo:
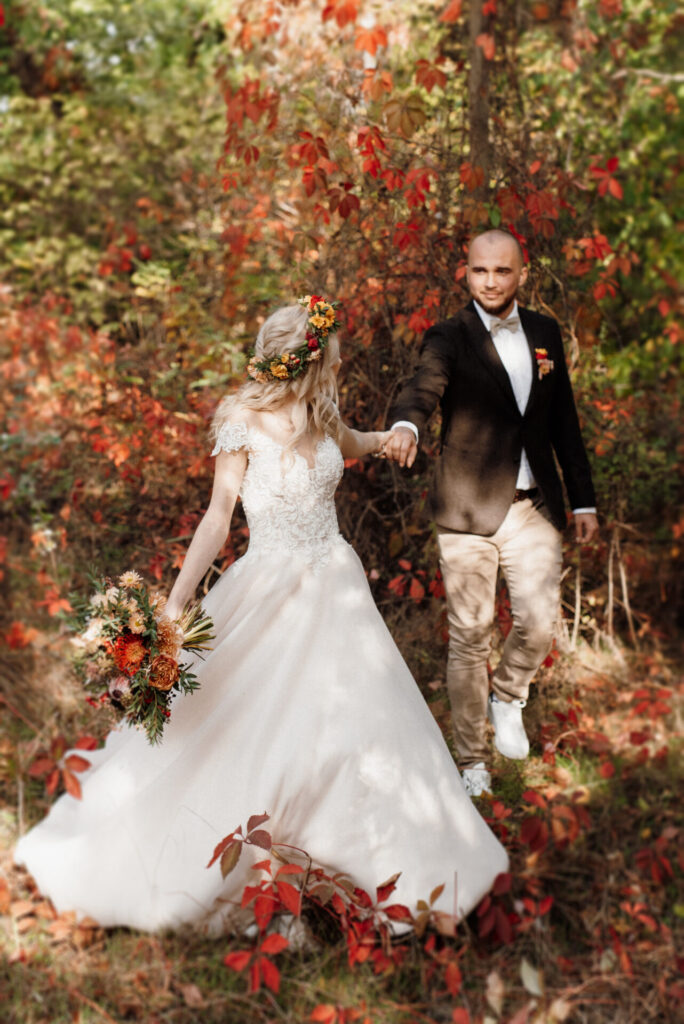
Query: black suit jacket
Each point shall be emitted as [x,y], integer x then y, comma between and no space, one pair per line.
[483,431]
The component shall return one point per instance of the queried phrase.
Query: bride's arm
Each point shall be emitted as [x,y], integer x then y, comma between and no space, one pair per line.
[210,535]
[355,443]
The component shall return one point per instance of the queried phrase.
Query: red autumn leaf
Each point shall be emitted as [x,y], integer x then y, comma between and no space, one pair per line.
[607,770]
[485,41]
[238,961]
[489,7]
[324,1013]
[290,897]
[220,847]
[502,883]
[369,39]
[534,833]
[262,865]
[344,11]
[19,636]
[429,75]
[453,978]
[452,12]
[86,743]
[385,890]
[270,974]
[503,928]
[71,784]
[40,766]
[264,908]
[260,838]
[398,912]
[362,898]
[460,1016]
[545,905]
[76,763]
[532,797]
[417,590]
[274,944]
[52,781]
[290,869]
[256,820]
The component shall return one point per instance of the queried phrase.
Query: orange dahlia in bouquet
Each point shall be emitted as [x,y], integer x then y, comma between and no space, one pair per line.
[129,653]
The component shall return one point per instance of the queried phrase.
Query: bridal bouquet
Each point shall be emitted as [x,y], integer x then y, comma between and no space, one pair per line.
[129,651]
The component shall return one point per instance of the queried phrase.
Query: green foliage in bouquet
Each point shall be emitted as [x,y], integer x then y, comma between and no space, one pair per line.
[129,651]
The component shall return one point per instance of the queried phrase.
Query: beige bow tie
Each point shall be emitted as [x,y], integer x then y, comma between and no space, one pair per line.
[511,323]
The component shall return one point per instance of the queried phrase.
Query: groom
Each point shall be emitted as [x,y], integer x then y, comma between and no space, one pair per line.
[498,373]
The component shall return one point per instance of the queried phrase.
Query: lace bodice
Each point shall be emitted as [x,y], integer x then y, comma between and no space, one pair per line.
[290,507]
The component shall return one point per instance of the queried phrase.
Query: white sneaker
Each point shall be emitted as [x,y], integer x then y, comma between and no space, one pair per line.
[510,738]
[476,780]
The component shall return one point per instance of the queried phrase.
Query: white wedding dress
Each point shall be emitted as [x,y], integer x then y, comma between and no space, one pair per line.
[306,712]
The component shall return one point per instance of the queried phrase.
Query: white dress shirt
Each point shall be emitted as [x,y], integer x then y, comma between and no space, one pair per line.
[514,353]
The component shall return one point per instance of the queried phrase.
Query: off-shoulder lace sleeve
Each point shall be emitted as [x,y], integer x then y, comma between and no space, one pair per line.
[231,437]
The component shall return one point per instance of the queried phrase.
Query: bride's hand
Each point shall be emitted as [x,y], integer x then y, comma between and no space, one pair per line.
[172,611]
[383,436]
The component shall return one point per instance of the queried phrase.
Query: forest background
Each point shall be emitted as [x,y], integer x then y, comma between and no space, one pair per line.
[172,171]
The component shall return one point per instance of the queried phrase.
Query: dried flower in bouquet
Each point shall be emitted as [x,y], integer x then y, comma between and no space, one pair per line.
[129,653]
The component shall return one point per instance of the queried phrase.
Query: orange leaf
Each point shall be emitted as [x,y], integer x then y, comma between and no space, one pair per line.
[369,39]
[486,43]
[607,770]
[290,896]
[398,912]
[453,978]
[86,743]
[324,1013]
[270,974]
[75,763]
[452,12]
[273,944]
[40,766]
[238,961]
[72,785]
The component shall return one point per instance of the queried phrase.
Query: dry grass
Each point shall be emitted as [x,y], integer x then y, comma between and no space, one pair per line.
[605,953]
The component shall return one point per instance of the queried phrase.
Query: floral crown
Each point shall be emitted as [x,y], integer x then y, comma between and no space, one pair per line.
[322,322]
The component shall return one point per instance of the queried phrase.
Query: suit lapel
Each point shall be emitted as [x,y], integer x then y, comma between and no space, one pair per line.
[481,342]
[533,341]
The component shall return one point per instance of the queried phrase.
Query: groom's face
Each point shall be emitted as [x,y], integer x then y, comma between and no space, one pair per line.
[495,273]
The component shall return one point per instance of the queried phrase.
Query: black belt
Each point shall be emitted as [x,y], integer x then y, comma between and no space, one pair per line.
[521,495]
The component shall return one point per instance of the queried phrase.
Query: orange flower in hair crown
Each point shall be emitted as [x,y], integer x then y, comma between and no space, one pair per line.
[321,324]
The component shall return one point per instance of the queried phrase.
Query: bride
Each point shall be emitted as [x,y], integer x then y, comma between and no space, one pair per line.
[306,712]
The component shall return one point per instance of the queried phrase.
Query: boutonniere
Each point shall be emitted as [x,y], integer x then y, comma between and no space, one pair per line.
[543,362]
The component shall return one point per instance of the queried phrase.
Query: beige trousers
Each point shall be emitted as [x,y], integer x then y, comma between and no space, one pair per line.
[527,547]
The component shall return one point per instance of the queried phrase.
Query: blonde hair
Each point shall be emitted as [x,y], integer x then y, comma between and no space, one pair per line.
[314,392]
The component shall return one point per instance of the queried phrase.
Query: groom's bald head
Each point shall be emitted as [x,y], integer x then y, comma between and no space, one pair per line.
[492,238]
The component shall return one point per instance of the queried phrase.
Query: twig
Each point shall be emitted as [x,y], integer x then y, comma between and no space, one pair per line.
[611,552]
[625,595]
[18,714]
[661,76]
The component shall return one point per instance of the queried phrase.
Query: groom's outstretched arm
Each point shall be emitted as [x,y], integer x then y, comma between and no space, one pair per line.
[419,397]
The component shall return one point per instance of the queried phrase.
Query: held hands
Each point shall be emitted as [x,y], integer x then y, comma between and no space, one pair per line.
[586,527]
[401,446]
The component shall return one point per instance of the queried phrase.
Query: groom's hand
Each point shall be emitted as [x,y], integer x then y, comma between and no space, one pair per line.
[401,447]
[586,527]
